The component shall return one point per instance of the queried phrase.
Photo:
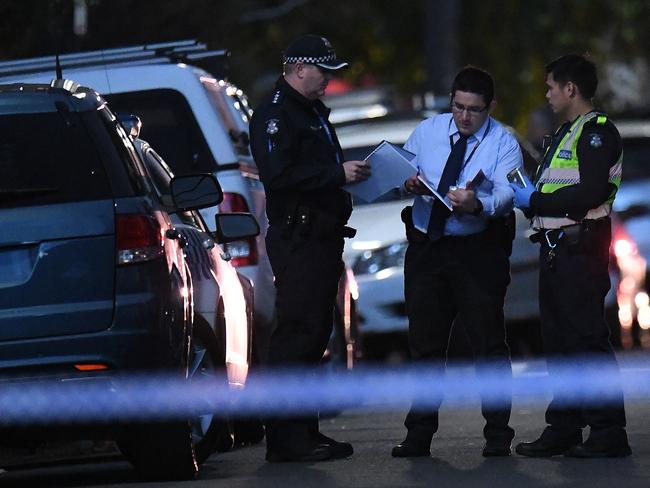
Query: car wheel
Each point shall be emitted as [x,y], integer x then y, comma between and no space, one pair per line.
[174,450]
[161,451]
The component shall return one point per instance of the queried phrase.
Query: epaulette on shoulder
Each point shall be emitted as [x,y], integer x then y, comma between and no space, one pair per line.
[602,120]
[278,96]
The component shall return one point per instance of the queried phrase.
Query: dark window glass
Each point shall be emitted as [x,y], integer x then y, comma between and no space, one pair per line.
[48,158]
[636,159]
[117,146]
[169,125]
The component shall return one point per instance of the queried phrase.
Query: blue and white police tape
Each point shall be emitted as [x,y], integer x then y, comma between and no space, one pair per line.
[148,397]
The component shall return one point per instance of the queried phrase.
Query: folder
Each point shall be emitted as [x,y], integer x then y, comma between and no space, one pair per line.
[390,166]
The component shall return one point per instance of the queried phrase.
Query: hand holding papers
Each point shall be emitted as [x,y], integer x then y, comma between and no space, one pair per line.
[390,165]
[435,193]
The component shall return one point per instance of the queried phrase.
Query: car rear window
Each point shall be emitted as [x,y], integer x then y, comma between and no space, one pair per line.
[636,159]
[48,158]
[169,125]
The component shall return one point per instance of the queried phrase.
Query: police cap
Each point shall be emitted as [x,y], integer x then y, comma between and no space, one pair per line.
[313,49]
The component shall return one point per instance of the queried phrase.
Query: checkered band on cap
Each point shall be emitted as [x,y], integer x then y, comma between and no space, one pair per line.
[309,59]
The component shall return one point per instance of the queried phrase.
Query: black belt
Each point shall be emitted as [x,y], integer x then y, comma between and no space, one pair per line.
[309,222]
[570,234]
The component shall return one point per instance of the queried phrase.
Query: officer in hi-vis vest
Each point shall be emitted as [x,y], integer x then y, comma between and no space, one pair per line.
[569,203]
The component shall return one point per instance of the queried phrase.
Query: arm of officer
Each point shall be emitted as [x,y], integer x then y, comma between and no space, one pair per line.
[595,159]
[273,144]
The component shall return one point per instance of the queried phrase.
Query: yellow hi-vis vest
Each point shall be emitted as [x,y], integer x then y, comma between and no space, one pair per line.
[564,171]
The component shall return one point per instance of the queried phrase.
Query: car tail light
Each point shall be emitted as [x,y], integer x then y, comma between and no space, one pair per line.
[139,239]
[244,252]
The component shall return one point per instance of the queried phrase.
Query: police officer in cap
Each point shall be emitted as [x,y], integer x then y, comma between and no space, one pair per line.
[570,203]
[301,165]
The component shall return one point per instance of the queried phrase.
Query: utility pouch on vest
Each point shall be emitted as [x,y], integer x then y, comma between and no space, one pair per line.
[572,235]
[591,235]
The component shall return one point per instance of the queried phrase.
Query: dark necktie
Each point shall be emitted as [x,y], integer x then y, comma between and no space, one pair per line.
[439,212]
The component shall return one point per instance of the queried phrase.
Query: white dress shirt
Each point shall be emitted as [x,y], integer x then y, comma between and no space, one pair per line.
[491,148]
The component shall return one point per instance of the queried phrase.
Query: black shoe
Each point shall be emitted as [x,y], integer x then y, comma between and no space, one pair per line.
[550,443]
[602,444]
[410,448]
[496,448]
[339,450]
[316,453]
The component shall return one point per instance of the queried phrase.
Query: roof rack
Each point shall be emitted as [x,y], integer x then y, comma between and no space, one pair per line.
[165,52]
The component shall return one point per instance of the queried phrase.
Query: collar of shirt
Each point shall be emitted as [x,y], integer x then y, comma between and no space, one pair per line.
[478,135]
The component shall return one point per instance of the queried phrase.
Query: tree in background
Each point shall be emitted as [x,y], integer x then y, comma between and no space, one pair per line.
[384,40]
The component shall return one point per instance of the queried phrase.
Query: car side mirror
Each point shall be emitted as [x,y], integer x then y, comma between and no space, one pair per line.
[235,226]
[192,192]
[131,123]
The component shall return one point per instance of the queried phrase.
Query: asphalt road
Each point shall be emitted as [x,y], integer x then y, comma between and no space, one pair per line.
[456,460]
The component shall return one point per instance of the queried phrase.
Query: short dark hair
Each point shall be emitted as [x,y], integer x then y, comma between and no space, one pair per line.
[576,69]
[474,80]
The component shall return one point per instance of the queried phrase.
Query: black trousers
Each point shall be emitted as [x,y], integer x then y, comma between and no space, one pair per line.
[571,298]
[307,272]
[461,280]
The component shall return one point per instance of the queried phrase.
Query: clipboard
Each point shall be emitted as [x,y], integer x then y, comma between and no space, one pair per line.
[390,165]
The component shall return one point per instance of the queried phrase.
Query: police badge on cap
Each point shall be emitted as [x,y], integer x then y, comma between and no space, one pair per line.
[313,49]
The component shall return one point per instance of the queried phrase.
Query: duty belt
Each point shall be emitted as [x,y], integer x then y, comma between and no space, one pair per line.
[308,222]
[577,238]
[569,233]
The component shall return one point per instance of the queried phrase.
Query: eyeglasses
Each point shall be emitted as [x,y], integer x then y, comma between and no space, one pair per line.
[473,111]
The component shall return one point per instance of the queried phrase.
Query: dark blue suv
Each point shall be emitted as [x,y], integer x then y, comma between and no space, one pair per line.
[93,281]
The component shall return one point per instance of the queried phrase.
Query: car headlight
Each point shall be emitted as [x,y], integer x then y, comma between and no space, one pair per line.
[371,262]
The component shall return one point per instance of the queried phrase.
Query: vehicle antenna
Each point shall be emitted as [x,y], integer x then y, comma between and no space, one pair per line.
[59,71]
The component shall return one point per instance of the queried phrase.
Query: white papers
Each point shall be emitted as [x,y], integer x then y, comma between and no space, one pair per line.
[390,166]
[440,197]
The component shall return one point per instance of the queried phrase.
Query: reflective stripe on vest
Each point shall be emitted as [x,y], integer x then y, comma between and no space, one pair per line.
[564,171]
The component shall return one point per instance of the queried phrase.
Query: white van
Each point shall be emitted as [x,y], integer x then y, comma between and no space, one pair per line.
[195,121]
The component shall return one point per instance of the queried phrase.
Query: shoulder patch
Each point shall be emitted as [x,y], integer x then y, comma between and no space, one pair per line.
[272,126]
[595,140]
